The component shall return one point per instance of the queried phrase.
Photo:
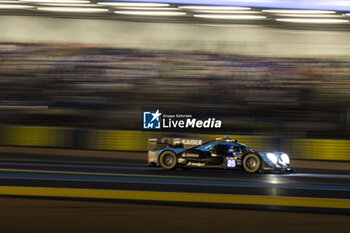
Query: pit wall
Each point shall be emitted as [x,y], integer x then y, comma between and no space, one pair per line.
[127,140]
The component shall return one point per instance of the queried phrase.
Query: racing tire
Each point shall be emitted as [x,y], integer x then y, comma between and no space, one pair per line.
[252,163]
[168,160]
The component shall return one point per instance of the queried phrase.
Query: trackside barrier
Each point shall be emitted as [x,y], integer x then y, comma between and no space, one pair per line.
[138,140]
[133,140]
[35,136]
[324,149]
[118,140]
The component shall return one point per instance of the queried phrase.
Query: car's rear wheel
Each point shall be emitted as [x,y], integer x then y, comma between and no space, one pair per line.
[168,160]
[251,163]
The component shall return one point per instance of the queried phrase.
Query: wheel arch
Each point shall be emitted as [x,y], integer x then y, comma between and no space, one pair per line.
[249,153]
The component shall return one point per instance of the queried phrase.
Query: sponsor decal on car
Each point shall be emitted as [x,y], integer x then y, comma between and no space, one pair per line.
[190,155]
[186,141]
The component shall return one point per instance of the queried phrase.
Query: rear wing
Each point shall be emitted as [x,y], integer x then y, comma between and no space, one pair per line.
[161,143]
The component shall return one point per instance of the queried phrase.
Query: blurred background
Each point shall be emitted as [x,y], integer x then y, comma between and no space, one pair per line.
[76,75]
[81,69]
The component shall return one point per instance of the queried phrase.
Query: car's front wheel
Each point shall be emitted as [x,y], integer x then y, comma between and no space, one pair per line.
[168,160]
[251,163]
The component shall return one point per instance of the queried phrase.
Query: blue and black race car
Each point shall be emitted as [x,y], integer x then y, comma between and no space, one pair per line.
[224,153]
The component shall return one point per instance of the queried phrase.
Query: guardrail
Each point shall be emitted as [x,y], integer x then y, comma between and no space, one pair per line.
[132,140]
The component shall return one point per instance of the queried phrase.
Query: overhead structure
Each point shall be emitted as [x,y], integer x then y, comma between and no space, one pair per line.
[321,14]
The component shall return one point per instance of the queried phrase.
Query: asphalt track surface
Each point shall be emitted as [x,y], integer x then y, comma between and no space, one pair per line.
[326,186]
[66,194]
[300,184]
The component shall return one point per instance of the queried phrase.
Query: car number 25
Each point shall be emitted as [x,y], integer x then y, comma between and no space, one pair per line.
[231,163]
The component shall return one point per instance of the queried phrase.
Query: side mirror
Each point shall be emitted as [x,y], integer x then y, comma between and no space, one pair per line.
[213,150]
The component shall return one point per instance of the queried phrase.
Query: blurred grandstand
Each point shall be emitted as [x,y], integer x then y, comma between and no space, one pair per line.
[107,88]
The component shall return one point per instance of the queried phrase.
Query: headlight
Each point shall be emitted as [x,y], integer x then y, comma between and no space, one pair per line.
[285,158]
[272,157]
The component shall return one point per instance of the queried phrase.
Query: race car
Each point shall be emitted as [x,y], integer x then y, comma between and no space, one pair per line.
[221,153]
